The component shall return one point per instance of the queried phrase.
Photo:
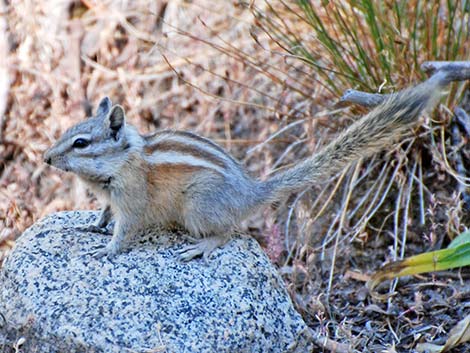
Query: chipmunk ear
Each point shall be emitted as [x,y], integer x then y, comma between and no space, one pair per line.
[116,121]
[104,107]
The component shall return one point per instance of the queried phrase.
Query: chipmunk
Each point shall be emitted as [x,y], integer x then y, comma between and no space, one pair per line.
[177,177]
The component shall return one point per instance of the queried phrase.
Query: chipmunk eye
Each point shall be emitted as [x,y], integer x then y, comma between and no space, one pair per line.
[81,143]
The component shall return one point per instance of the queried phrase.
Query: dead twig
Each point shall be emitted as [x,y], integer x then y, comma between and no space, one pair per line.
[209,94]
[329,344]
[443,71]
[455,70]
[368,100]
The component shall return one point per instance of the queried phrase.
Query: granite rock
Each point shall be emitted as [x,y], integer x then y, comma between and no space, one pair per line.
[144,299]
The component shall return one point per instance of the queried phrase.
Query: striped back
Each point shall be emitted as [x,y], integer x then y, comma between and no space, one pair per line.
[172,147]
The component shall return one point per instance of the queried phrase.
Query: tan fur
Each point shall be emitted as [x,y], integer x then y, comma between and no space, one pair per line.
[169,183]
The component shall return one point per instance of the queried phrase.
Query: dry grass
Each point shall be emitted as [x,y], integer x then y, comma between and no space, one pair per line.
[209,67]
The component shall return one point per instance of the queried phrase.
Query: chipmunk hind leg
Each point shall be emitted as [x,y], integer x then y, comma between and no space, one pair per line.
[209,222]
[208,233]
[213,210]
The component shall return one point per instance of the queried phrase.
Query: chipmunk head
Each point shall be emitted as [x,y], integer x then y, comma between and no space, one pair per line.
[91,148]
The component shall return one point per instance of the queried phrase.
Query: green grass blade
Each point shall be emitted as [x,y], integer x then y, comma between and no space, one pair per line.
[456,255]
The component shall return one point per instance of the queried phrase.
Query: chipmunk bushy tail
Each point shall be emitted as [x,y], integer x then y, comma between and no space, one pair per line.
[370,134]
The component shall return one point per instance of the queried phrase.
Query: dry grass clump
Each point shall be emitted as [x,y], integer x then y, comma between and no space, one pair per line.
[259,80]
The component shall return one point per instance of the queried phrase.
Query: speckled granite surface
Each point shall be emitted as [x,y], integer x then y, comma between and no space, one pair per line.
[143,299]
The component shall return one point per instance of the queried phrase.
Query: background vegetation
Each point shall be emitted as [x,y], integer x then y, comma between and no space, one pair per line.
[263,79]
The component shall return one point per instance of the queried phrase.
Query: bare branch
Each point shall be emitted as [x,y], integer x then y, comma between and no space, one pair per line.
[455,70]
[442,71]
[368,100]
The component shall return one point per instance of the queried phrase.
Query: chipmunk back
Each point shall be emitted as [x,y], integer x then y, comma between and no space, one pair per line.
[179,178]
